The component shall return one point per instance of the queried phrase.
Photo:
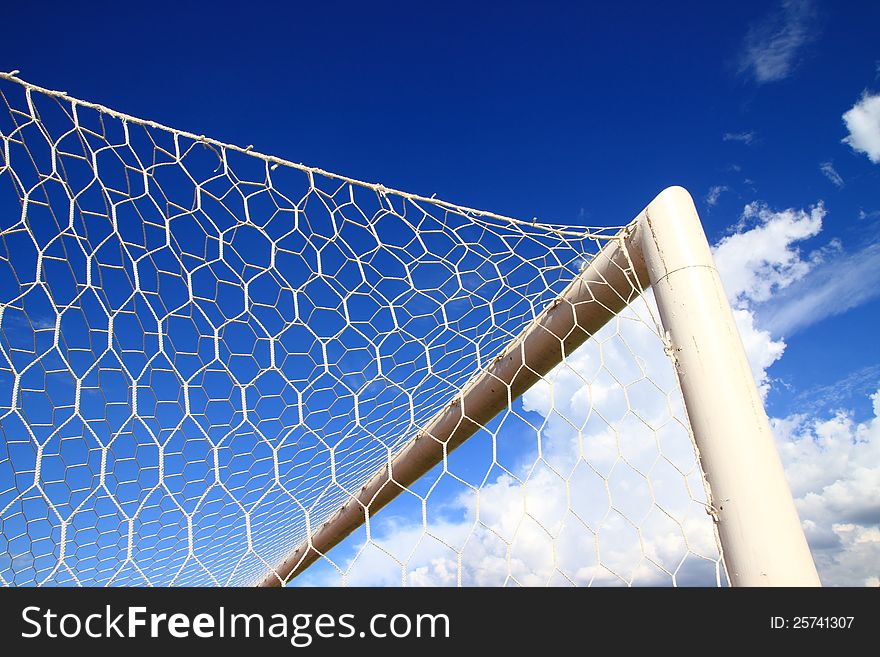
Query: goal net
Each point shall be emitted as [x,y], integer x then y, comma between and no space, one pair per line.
[220,367]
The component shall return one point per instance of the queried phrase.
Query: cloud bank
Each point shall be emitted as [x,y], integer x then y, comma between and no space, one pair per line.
[833,467]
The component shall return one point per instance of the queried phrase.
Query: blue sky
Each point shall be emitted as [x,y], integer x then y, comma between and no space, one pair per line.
[576,114]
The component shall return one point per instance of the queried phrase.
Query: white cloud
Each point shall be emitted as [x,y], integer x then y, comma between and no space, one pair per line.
[775,289]
[833,467]
[758,262]
[836,284]
[863,123]
[834,394]
[771,46]
[747,138]
[714,193]
[827,168]
[784,290]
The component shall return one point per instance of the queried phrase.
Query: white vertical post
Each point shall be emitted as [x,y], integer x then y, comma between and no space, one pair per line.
[760,532]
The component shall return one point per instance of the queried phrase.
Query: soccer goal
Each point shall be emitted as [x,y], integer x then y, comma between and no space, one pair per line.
[221,367]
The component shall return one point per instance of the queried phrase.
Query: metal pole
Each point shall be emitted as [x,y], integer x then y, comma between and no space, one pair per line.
[762,540]
[613,278]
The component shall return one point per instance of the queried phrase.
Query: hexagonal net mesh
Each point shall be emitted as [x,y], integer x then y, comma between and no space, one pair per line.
[206,353]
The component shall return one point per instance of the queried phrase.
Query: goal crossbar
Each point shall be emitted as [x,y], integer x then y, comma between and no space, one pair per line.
[759,531]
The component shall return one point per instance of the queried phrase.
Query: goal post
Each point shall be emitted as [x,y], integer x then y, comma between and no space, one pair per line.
[665,247]
[221,367]
[763,543]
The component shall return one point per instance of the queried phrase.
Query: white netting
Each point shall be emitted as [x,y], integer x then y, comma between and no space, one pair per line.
[205,352]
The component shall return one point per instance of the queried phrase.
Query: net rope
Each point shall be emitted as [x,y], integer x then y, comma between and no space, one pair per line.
[205,352]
